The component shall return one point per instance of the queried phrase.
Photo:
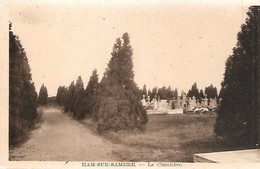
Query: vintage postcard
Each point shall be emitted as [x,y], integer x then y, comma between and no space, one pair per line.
[130,84]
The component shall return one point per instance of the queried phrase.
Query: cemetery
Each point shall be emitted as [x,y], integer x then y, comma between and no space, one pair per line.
[182,104]
[115,121]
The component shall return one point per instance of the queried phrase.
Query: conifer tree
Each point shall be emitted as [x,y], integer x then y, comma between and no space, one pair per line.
[194,91]
[150,94]
[176,93]
[119,106]
[211,92]
[236,116]
[88,100]
[201,95]
[61,94]
[69,99]
[22,94]
[144,91]
[154,93]
[169,93]
[77,109]
[43,95]
[91,93]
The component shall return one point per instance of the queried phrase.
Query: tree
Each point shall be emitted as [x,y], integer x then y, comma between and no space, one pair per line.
[162,92]
[149,93]
[154,93]
[236,116]
[211,92]
[61,94]
[78,109]
[22,94]
[69,98]
[169,93]
[43,95]
[119,106]
[175,93]
[194,91]
[201,95]
[90,99]
[144,91]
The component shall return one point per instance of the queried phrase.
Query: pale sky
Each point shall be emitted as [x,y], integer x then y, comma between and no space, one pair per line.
[173,44]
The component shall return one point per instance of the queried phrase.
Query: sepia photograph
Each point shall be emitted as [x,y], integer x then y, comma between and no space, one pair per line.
[133,83]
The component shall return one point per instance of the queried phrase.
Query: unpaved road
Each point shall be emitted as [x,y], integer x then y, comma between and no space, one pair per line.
[60,138]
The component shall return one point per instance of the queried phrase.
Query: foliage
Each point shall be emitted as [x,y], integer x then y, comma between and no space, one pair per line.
[211,91]
[76,100]
[43,95]
[201,95]
[61,93]
[162,93]
[175,93]
[118,106]
[154,93]
[89,99]
[69,99]
[77,107]
[194,91]
[236,116]
[144,91]
[22,94]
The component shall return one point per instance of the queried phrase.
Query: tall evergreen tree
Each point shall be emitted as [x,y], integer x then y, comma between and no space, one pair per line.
[78,97]
[144,91]
[90,99]
[201,95]
[69,98]
[61,94]
[154,93]
[119,106]
[175,93]
[43,95]
[211,92]
[236,115]
[22,94]
[162,92]
[194,91]
[149,93]
[169,93]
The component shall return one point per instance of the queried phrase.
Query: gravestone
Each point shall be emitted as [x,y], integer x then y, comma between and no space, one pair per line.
[183,102]
[143,101]
[210,103]
[198,104]
[163,105]
[171,104]
[190,104]
[155,104]
[148,103]
[193,102]
[178,102]
[148,99]
[205,102]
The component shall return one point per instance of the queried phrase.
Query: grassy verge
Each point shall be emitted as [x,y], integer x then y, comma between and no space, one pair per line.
[163,139]
[167,138]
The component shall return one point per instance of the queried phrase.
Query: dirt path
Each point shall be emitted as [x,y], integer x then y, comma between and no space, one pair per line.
[60,138]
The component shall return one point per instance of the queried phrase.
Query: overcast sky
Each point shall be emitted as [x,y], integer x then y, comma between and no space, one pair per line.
[174,44]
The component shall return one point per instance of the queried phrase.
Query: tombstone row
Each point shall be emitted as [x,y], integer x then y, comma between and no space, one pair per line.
[190,103]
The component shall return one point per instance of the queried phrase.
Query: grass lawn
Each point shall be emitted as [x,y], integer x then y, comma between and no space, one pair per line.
[168,138]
